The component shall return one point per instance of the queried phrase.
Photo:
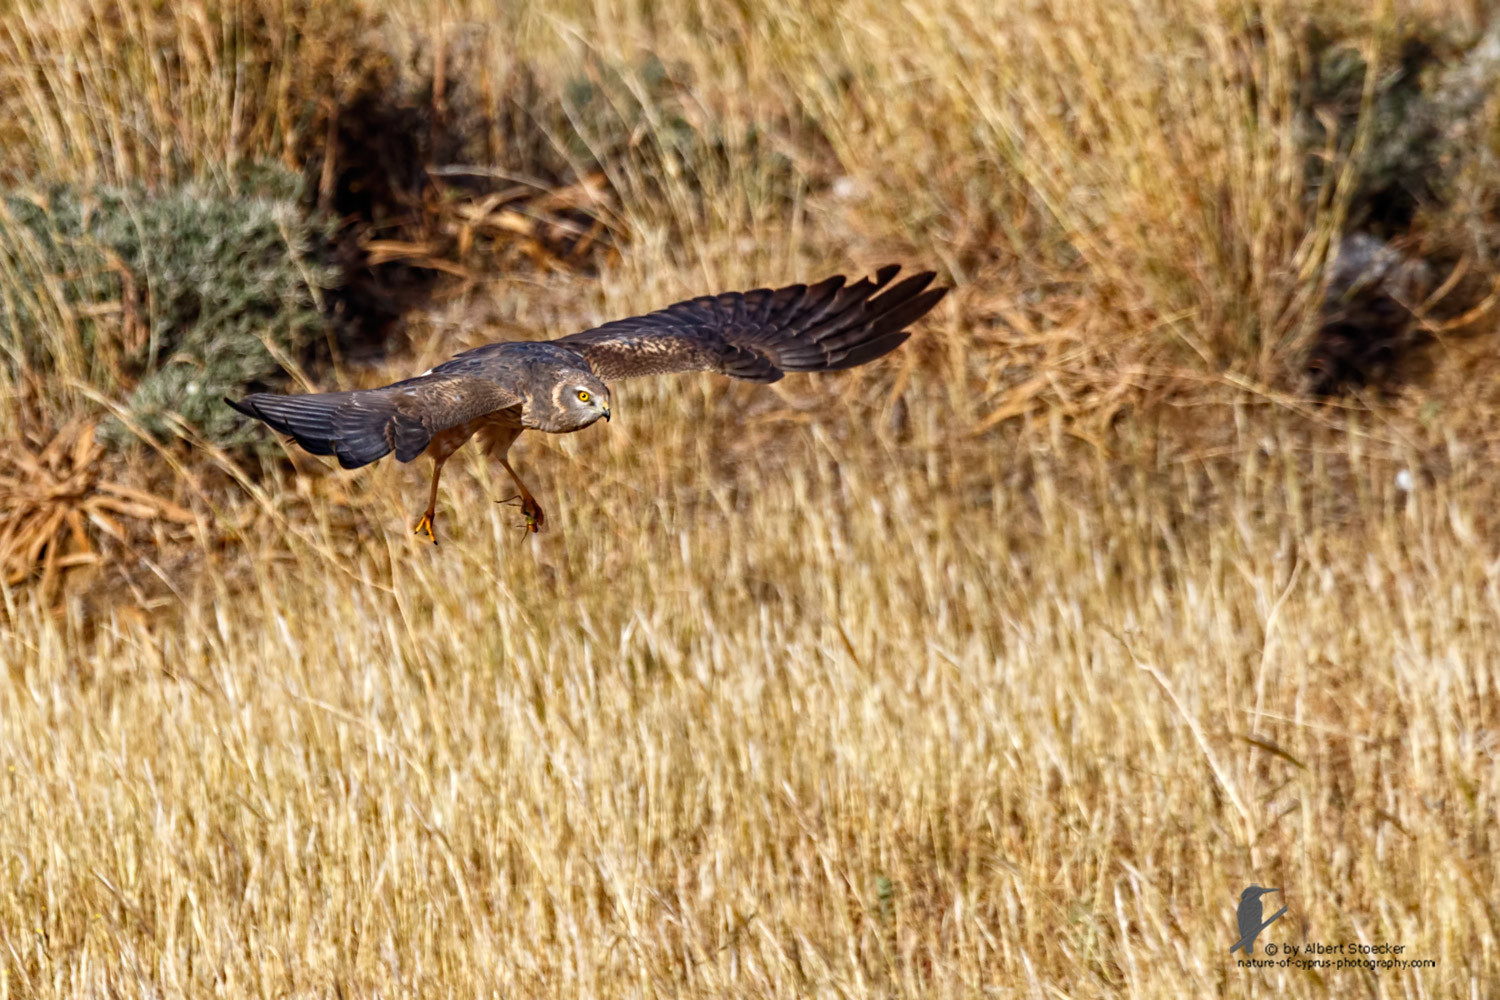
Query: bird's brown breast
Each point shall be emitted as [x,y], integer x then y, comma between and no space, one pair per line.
[496,432]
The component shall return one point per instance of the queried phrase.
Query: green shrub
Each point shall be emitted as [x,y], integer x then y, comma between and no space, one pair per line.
[163,300]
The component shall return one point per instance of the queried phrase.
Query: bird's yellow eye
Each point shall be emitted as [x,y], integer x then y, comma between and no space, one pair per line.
[583,395]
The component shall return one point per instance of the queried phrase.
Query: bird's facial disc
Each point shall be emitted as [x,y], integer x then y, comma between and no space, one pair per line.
[590,400]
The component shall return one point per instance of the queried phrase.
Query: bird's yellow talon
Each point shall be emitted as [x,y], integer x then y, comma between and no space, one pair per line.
[424,527]
[530,509]
[535,519]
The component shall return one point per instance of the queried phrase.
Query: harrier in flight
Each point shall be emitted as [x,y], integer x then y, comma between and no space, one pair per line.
[499,390]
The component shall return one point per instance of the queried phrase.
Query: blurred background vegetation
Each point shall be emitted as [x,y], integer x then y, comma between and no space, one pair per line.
[1188,177]
[1226,284]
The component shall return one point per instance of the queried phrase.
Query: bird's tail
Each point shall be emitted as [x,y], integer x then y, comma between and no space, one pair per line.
[359,427]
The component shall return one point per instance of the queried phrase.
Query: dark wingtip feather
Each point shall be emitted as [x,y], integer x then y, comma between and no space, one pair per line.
[864,327]
[877,347]
[905,313]
[904,289]
[242,407]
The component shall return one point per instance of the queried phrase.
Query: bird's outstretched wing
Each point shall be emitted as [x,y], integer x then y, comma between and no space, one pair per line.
[367,424]
[760,335]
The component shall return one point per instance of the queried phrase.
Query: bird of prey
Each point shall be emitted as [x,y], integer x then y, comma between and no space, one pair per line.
[558,386]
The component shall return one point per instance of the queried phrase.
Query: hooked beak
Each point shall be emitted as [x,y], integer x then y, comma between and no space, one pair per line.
[606,412]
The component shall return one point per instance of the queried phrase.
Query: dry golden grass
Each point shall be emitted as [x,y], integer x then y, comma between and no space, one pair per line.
[829,714]
[841,687]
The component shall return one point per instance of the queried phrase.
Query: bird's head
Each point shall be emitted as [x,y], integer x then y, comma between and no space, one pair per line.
[587,399]
[577,399]
[1255,892]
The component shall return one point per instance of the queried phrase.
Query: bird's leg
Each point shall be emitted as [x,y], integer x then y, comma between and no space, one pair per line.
[535,517]
[426,524]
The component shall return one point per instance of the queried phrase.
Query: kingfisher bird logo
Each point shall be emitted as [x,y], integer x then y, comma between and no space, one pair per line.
[1248,915]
